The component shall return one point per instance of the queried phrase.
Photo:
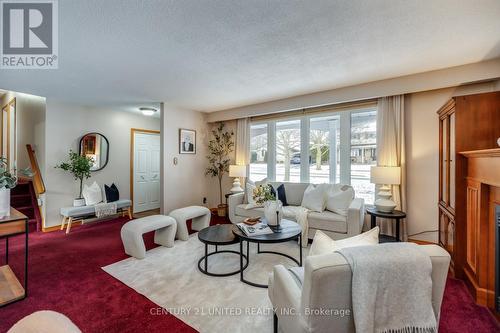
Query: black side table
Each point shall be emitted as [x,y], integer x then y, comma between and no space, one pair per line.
[218,235]
[395,215]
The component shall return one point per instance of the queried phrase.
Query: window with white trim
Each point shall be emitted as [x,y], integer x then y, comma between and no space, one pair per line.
[329,147]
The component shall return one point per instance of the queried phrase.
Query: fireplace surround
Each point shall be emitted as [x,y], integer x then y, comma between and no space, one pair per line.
[482,260]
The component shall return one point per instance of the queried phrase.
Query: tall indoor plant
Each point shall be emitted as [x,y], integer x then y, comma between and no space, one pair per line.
[219,148]
[79,166]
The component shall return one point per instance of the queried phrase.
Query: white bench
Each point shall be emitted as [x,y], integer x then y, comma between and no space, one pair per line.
[70,214]
[200,219]
[132,231]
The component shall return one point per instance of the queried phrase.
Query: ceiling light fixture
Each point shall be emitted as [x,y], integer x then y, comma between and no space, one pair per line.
[148,111]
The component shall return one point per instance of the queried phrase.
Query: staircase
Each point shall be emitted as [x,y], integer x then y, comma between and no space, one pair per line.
[23,198]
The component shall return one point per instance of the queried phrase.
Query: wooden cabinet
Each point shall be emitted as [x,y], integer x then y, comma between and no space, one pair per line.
[446,205]
[466,123]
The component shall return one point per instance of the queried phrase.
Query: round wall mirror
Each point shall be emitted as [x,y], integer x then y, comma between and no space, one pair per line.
[95,146]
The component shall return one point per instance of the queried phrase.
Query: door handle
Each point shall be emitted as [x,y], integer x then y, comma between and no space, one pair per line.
[155,176]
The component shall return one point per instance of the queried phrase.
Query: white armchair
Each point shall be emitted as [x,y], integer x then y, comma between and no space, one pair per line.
[325,284]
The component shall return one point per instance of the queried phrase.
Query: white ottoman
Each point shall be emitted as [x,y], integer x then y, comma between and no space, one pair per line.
[200,216]
[45,322]
[132,231]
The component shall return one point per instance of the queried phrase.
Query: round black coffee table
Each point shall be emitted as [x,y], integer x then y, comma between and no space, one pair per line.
[289,231]
[218,235]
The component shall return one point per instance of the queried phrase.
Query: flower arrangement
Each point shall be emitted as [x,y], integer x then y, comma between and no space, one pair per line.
[263,193]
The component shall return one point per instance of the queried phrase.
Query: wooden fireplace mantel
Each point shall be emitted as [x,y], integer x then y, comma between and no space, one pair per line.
[495,152]
[483,194]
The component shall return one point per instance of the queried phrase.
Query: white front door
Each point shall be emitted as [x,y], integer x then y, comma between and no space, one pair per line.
[146,171]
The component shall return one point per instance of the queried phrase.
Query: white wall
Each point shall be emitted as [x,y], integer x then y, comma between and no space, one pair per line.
[65,125]
[184,184]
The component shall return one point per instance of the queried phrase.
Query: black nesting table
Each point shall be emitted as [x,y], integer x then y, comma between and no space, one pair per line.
[289,231]
[218,235]
[395,215]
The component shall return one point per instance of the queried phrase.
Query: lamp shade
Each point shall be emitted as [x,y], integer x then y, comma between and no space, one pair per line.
[237,171]
[385,175]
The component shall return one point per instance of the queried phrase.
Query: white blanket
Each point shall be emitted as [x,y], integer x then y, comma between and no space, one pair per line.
[105,209]
[391,288]
[299,213]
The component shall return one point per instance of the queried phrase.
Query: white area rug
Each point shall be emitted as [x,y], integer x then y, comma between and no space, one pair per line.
[170,278]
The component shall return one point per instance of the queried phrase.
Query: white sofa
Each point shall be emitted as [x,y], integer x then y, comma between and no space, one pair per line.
[334,225]
[325,283]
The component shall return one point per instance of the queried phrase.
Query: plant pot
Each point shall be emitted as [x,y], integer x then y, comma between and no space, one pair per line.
[273,211]
[4,202]
[221,210]
[79,202]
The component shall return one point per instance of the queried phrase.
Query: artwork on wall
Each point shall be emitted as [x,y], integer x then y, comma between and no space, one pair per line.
[187,141]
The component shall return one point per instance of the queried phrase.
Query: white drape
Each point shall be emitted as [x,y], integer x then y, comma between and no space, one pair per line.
[242,141]
[391,152]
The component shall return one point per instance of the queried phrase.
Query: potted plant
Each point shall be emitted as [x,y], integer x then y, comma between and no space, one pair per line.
[219,149]
[273,209]
[7,182]
[79,166]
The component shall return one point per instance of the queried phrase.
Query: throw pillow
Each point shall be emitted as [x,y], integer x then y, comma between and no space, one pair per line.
[314,198]
[112,193]
[282,194]
[338,201]
[245,196]
[249,193]
[322,244]
[92,194]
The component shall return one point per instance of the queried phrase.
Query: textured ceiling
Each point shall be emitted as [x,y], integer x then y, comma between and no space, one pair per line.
[213,55]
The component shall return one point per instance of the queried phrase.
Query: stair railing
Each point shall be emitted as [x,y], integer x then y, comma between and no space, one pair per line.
[37,175]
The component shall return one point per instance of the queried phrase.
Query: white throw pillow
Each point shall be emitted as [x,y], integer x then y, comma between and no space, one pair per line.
[314,198]
[92,194]
[247,185]
[338,201]
[249,193]
[322,244]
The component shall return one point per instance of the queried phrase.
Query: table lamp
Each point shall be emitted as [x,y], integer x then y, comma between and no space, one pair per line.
[385,176]
[237,171]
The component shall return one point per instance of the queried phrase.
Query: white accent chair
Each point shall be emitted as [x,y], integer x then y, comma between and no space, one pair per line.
[325,283]
[132,231]
[200,219]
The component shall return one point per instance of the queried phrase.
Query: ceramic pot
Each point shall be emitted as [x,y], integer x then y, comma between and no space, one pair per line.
[4,202]
[273,211]
[79,202]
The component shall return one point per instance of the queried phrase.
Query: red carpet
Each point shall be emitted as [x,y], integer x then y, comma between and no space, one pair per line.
[66,276]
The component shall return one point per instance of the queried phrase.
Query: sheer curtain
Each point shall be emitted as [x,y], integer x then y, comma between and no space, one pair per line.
[391,152]
[242,141]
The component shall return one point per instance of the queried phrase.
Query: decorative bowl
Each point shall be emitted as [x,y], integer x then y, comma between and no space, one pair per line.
[251,220]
